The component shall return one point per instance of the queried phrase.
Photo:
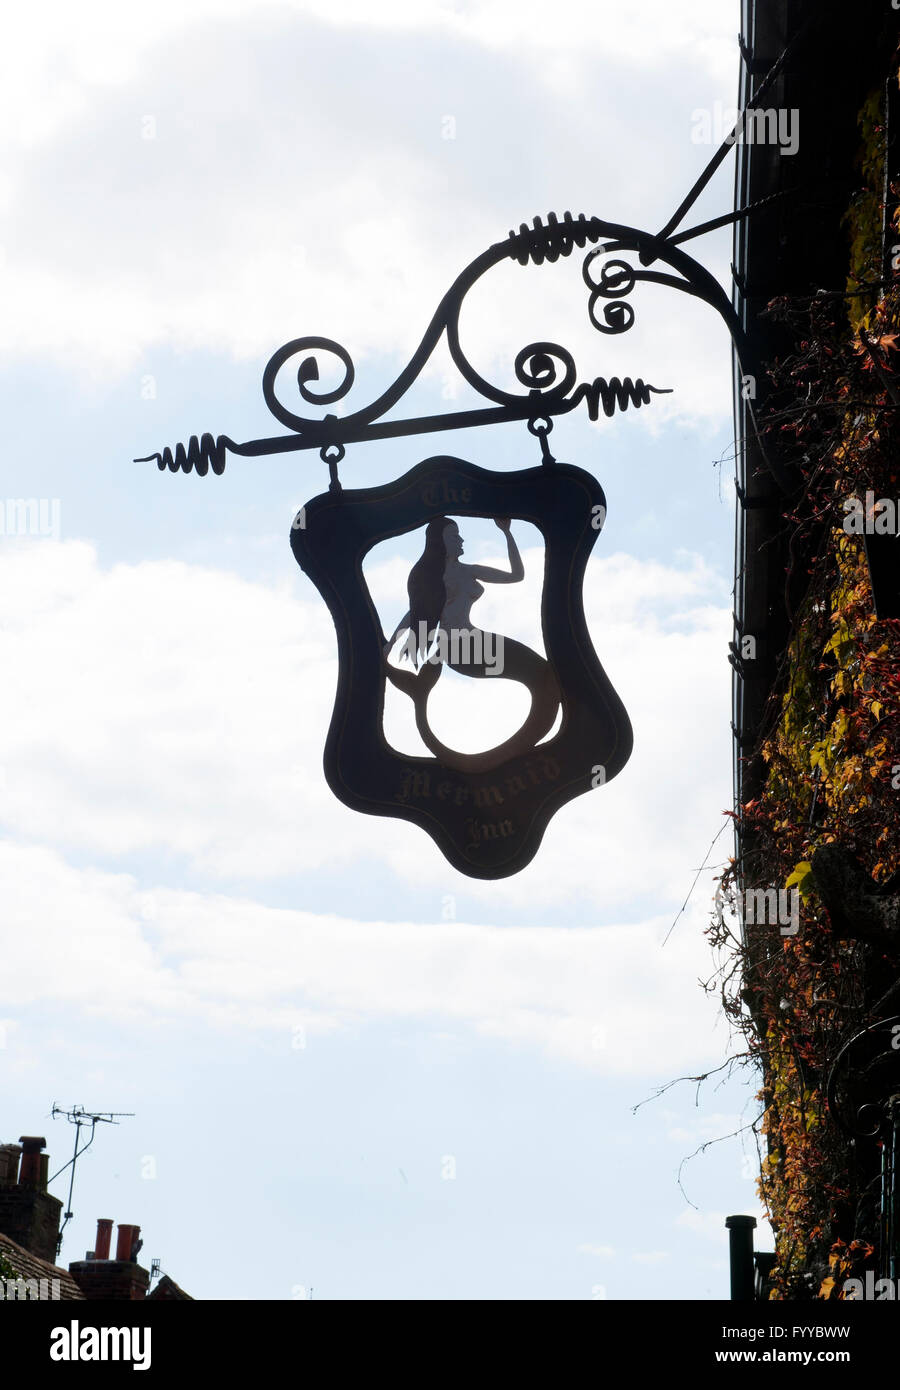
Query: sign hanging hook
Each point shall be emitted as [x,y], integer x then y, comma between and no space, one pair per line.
[541,426]
[332,455]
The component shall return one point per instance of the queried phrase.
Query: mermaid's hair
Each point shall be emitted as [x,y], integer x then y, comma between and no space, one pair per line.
[425,587]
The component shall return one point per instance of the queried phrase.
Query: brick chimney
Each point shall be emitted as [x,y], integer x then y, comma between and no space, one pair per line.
[9,1164]
[121,1279]
[28,1214]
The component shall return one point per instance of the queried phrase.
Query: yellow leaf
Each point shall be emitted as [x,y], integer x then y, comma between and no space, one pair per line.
[801,878]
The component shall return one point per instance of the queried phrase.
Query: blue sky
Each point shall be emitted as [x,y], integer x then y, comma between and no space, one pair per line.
[353,1070]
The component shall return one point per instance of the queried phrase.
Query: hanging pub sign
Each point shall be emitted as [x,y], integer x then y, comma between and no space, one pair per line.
[487,811]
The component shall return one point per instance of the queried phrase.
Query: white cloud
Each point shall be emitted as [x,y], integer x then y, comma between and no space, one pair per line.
[63,56]
[191,717]
[100,942]
[601,1251]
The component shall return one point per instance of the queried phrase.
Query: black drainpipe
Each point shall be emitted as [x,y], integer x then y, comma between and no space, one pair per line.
[740,1242]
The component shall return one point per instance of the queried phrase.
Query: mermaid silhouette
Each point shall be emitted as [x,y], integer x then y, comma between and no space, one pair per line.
[441,592]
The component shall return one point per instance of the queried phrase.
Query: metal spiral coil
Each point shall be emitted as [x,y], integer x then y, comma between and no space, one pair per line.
[614,393]
[540,243]
[199,454]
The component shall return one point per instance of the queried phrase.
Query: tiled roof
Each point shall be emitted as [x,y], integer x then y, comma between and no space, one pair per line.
[28,1266]
[167,1290]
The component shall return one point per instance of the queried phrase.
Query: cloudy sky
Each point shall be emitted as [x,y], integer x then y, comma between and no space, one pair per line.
[352,1069]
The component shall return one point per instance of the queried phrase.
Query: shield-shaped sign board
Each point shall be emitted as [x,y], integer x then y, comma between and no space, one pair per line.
[486,811]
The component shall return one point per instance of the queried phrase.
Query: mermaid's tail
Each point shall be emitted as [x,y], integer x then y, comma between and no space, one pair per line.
[521,664]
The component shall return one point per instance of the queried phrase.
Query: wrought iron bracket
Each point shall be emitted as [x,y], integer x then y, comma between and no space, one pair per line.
[545,370]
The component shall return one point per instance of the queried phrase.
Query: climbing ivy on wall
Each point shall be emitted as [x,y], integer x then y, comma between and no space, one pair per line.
[830,758]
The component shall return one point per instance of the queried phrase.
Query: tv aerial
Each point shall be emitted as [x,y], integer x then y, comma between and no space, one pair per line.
[81,1118]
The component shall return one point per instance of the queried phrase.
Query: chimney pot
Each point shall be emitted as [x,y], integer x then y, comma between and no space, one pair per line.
[104,1236]
[126,1241]
[30,1168]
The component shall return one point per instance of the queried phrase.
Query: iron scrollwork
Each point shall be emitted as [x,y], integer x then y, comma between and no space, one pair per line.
[545,370]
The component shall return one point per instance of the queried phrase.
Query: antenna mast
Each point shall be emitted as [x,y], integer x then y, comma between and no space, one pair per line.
[80,1118]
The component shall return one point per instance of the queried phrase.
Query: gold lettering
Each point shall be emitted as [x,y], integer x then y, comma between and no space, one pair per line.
[483,795]
[415,784]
